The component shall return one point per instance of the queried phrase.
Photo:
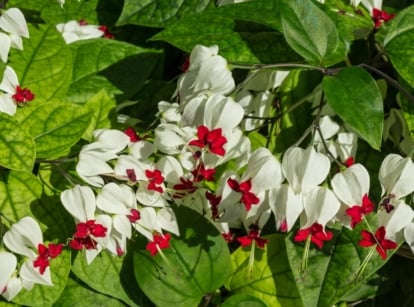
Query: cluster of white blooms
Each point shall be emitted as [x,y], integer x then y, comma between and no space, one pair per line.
[13,28]
[25,241]
[199,156]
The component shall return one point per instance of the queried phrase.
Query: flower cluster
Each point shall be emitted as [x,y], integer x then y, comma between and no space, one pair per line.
[14,27]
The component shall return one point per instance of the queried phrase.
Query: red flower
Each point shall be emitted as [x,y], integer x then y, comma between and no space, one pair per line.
[213,140]
[133,136]
[106,32]
[253,235]
[382,244]
[158,242]
[155,179]
[134,216]
[185,187]
[357,212]
[380,17]
[82,238]
[131,175]
[45,254]
[318,235]
[214,202]
[201,173]
[248,198]
[23,95]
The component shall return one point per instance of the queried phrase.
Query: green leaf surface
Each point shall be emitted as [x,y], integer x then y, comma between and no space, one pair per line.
[270,278]
[398,44]
[331,273]
[309,31]
[352,24]
[94,55]
[18,190]
[198,263]
[17,147]
[100,106]
[71,10]
[83,296]
[45,64]
[355,97]
[48,295]
[108,275]
[55,127]
[238,42]
[159,13]
[243,300]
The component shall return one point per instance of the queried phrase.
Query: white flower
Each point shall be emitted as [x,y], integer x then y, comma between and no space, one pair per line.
[23,238]
[13,22]
[207,74]
[10,285]
[73,31]
[8,85]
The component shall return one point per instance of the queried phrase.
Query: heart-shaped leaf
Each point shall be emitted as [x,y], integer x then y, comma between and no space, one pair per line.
[355,97]
[198,263]
[270,278]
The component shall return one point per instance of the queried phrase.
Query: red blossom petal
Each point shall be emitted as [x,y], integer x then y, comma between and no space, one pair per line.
[55,250]
[134,216]
[133,136]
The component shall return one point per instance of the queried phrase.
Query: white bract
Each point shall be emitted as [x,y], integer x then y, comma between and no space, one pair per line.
[207,73]
[10,285]
[73,31]
[23,238]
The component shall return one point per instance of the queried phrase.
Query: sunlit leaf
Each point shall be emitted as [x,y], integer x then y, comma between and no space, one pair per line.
[17,147]
[55,127]
[270,278]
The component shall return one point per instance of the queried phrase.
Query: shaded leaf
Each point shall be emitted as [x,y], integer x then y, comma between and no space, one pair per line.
[198,263]
[270,278]
[84,297]
[243,300]
[17,147]
[159,13]
[104,276]
[331,272]
[55,127]
[355,97]
[237,44]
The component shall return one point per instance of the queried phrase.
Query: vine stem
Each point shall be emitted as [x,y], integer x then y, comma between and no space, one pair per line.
[390,80]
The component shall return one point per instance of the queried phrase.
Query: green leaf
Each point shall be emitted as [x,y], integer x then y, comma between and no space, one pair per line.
[238,42]
[351,24]
[331,272]
[243,300]
[398,44]
[355,97]
[94,55]
[45,64]
[270,278]
[83,296]
[71,10]
[100,106]
[18,190]
[17,147]
[309,31]
[159,13]
[55,127]
[46,295]
[110,275]
[84,89]
[198,263]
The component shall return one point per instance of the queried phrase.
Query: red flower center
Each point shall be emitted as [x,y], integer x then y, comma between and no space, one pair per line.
[248,198]
[23,95]
[213,140]
[382,244]
[45,254]
[316,233]
[158,242]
